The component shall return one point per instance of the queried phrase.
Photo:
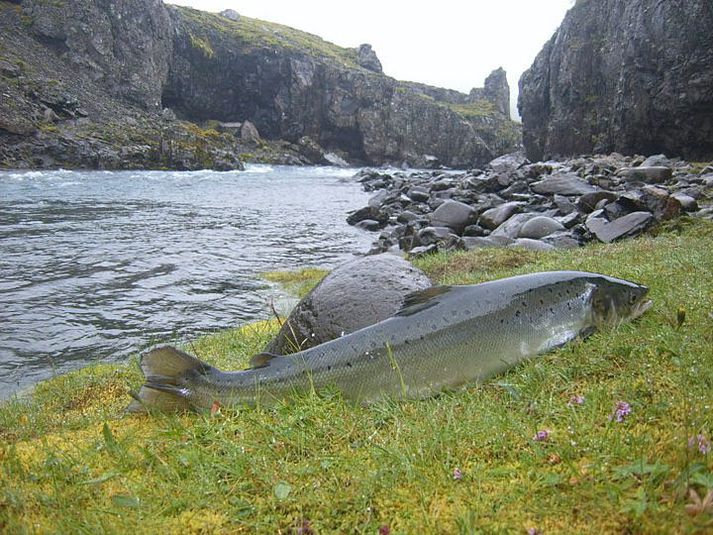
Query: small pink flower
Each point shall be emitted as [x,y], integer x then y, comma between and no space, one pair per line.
[622,410]
[576,400]
[457,474]
[542,435]
[533,531]
[384,529]
[701,443]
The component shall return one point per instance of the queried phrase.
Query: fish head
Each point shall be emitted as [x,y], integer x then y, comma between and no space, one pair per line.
[615,301]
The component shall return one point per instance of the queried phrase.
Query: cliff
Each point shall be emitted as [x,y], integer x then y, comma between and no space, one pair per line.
[125,83]
[633,76]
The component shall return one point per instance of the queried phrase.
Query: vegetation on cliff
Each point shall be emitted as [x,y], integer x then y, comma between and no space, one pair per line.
[608,435]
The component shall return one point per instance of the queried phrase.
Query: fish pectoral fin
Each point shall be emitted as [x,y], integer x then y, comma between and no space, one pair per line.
[422,299]
[262,359]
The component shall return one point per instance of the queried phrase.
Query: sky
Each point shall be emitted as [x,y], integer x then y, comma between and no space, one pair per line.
[450,43]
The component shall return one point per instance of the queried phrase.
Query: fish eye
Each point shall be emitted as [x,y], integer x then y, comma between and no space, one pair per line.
[632,299]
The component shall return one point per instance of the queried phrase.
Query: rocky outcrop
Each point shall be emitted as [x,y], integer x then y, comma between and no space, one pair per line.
[123,44]
[367,58]
[355,295]
[71,71]
[291,84]
[538,206]
[633,76]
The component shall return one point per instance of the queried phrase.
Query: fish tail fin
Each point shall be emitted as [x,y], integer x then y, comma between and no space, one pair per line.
[170,375]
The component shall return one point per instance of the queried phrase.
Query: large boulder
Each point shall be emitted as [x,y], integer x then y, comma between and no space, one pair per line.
[633,76]
[356,294]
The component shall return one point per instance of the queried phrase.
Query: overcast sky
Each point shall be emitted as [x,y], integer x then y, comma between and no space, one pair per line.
[450,43]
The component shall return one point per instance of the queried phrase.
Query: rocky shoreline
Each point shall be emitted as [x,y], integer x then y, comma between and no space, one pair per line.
[538,206]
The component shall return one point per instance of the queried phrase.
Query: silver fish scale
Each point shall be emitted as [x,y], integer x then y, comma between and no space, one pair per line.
[465,334]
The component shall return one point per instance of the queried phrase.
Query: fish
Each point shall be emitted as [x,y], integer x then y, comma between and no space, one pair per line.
[441,339]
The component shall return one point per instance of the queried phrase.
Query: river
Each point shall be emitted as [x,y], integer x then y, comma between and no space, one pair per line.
[96,265]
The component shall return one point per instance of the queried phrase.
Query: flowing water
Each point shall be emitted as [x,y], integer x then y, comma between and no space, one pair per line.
[96,265]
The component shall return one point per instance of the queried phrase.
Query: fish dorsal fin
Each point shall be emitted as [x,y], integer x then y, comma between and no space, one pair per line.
[422,299]
[262,359]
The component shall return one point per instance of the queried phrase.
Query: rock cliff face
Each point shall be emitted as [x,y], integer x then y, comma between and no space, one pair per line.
[87,83]
[633,76]
[291,84]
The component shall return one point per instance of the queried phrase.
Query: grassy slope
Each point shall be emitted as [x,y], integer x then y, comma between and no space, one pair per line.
[70,463]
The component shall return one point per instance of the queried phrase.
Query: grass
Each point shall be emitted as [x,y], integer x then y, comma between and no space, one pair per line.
[465,462]
[299,282]
[263,34]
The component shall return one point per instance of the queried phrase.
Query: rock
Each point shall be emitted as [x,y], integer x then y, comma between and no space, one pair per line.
[660,203]
[493,218]
[369,224]
[230,14]
[497,91]
[657,160]
[539,227]
[367,58]
[486,243]
[511,228]
[624,227]
[561,240]
[455,215]
[423,250]
[474,231]
[406,216]
[249,133]
[611,78]
[588,202]
[564,184]
[356,294]
[368,212]
[432,235]
[531,245]
[688,204]
[508,163]
[418,194]
[8,70]
[650,175]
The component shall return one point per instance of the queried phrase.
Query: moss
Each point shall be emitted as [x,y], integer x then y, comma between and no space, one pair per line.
[476,109]
[202,44]
[263,34]
[298,283]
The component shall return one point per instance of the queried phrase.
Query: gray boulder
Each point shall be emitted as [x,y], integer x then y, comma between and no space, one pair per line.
[455,215]
[355,295]
[493,218]
[624,227]
[539,227]
[650,175]
[564,184]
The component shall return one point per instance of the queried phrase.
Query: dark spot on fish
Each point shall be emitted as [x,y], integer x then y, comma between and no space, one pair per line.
[329,368]
[542,301]
[502,321]
[517,313]
[349,364]
[552,310]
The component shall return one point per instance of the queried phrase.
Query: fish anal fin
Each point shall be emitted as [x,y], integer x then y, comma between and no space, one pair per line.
[262,359]
[422,299]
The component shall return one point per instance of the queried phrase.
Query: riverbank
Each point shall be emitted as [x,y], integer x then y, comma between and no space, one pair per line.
[608,435]
[512,202]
